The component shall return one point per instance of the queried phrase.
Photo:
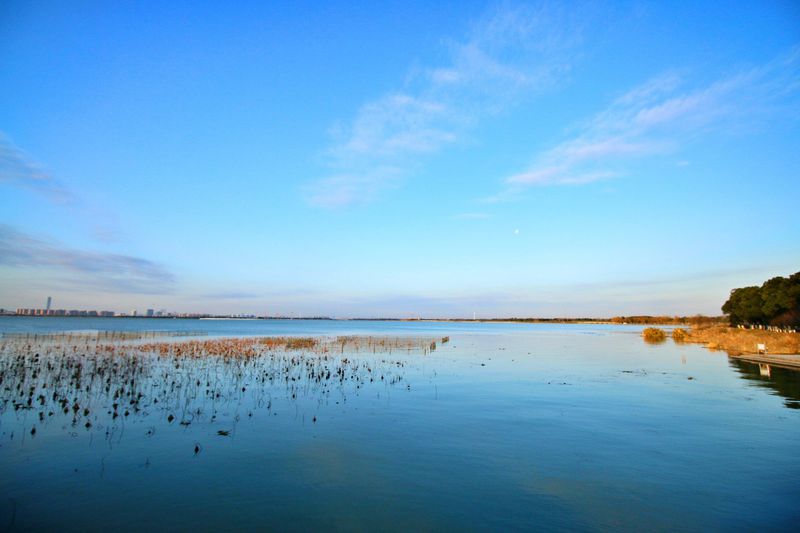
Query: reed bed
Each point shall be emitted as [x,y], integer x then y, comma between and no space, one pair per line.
[250,347]
[737,341]
[72,386]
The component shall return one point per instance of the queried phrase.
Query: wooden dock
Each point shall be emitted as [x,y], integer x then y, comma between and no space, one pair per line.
[791,362]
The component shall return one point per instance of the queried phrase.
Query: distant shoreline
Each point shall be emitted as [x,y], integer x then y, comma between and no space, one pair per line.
[632,320]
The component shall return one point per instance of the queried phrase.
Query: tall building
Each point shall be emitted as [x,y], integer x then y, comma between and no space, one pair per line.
[49,301]
[149,312]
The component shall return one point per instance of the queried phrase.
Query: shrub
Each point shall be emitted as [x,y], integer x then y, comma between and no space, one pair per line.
[654,335]
[679,335]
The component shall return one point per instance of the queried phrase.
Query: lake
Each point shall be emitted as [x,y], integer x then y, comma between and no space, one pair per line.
[504,427]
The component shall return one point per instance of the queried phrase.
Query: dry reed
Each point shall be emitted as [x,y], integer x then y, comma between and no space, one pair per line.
[67,385]
[737,341]
[654,335]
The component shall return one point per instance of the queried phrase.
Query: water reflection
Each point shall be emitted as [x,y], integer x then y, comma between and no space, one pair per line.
[533,429]
[782,381]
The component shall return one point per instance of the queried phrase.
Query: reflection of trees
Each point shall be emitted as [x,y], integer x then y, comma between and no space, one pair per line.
[783,381]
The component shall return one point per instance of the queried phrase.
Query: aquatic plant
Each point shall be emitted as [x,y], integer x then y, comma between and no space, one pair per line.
[97,385]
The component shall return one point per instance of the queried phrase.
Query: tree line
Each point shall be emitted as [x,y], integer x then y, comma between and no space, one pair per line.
[775,303]
[696,320]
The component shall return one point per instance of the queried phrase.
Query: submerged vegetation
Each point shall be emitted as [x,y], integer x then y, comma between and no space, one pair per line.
[96,387]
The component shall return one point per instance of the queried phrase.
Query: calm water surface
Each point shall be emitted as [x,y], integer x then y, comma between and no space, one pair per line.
[506,427]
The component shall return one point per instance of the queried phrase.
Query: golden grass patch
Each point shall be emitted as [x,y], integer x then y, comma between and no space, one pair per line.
[654,335]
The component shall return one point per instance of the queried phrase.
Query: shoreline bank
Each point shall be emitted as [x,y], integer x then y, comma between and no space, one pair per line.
[745,342]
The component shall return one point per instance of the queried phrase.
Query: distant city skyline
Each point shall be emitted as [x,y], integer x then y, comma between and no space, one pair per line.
[412,159]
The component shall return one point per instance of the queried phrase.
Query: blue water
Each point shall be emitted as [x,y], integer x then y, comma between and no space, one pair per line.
[224,327]
[505,427]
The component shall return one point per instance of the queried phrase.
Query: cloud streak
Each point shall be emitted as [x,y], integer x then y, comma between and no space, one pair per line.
[657,118]
[509,53]
[79,269]
[19,170]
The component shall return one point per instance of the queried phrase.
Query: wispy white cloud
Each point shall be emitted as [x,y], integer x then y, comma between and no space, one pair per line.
[396,124]
[79,269]
[352,188]
[19,170]
[510,52]
[659,117]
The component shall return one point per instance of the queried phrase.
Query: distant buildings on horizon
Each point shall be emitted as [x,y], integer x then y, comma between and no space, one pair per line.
[49,311]
[148,313]
[62,312]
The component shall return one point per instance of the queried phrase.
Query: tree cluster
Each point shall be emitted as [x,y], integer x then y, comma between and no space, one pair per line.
[775,303]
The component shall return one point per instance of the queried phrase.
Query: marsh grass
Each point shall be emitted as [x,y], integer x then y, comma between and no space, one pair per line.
[737,341]
[679,335]
[300,343]
[96,387]
[654,335]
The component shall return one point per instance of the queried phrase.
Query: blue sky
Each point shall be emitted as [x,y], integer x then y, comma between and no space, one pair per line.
[401,159]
